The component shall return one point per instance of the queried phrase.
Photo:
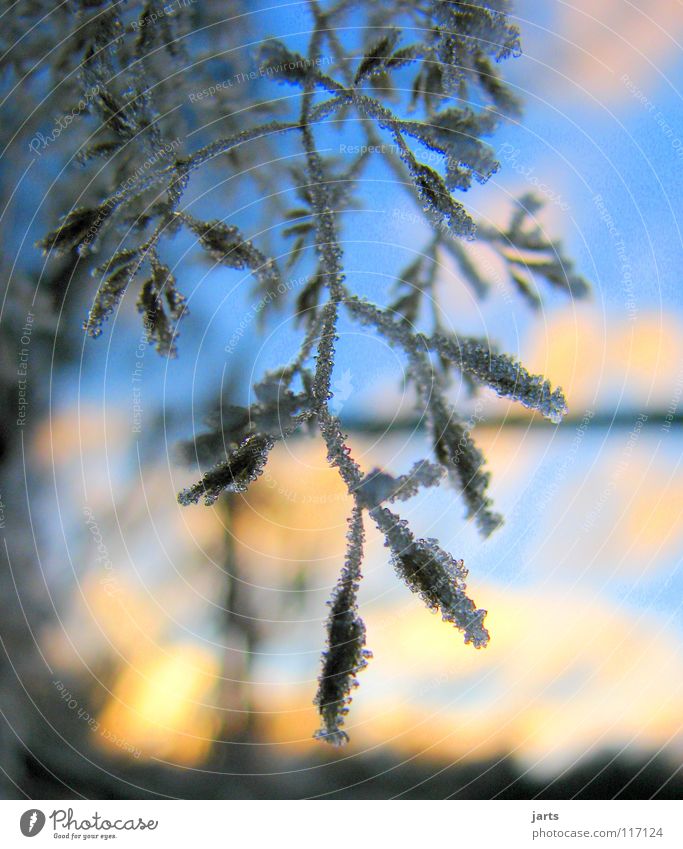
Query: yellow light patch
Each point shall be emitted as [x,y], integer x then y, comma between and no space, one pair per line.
[162,706]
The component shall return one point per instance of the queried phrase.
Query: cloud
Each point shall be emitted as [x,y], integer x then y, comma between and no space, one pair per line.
[565,675]
[589,46]
[609,361]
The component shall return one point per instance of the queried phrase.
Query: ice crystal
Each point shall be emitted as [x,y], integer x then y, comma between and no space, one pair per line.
[79,229]
[346,654]
[376,58]
[227,245]
[242,467]
[162,307]
[502,373]
[434,575]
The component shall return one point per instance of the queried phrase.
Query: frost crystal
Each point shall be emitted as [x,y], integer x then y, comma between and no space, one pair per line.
[79,229]
[434,575]
[242,467]
[502,373]
[346,654]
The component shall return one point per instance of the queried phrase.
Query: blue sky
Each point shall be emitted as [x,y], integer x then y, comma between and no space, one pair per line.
[587,133]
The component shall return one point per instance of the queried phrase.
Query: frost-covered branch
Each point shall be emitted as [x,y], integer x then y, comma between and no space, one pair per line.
[447,55]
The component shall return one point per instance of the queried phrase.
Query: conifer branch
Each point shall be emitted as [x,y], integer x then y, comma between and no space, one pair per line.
[447,54]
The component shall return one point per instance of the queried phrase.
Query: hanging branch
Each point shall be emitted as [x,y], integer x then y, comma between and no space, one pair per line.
[458,100]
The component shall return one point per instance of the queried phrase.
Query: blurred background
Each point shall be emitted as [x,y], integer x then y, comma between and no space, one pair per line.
[154,650]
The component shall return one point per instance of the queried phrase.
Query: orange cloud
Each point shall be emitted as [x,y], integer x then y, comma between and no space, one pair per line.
[621,517]
[590,46]
[596,358]
[565,674]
